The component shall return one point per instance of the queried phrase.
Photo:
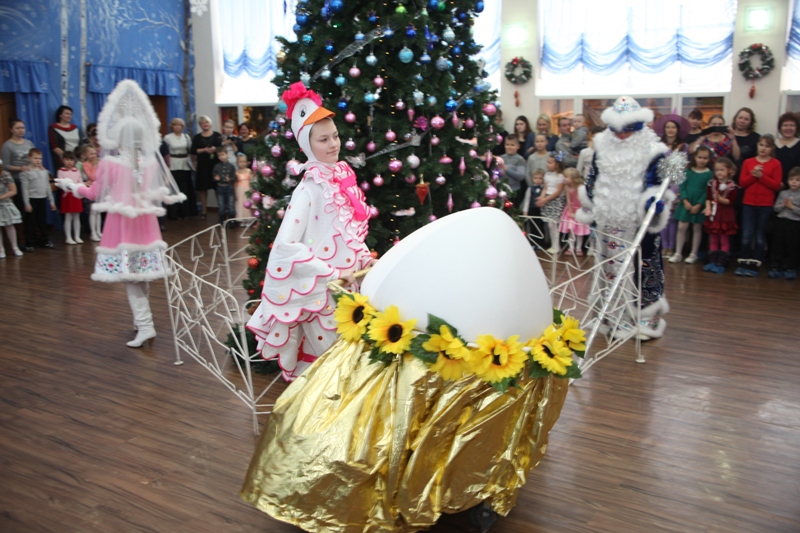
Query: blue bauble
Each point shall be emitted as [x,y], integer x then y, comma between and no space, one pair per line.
[372,18]
[418,77]
[307,39]
[432,100]
[456,51]
[301,19]
[462,16]
[324,12]
[274,126]
[329,48]
[281,106]
[479,6]
[425,59]
[305,77]
[279,72]
[411,32]
[449,64]
[302,59]
[369,98]
[451,105]
[340,80]
[470,103]
[325,74]
[441,64]
[360,37]
[448,35]
[372,60]
[388,32]
[406,55]
[342,105]
[418,97]
[297,28]
[336,5]
[433,4]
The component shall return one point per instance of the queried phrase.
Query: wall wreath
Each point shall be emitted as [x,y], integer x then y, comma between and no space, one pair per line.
[748,71]
[519,70]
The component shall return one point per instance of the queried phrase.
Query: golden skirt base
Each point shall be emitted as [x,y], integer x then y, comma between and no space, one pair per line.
[358,447]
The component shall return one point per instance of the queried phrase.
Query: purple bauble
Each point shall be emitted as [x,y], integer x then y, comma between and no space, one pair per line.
[377,180]
[455,120]
[256,197]
[267,171]
[350,144]
[373,212]
[445,160]
[491,192]
[276,151]
[411,178]
[489,110]
[411,114]
[440,180]
[475,204]
[371,146]
[289,135]
[378,81]
[282,121]
[281,212]
[364,186]
[437,122]
[355,72]
[247,204]
[499,139]
[390,136]
[432,218]
[469,123]
[257,213]
[434,140]
[473,154]
[350,117]
[395,165]
[400,105]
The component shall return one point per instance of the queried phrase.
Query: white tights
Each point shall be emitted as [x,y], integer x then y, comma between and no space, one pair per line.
[11,233]
[95,224]
[72,224]
[697,235]
[555,242]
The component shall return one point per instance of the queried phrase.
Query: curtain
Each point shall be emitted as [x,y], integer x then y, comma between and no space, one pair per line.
[486,33]
[647,44]
[793,49]
[102,79]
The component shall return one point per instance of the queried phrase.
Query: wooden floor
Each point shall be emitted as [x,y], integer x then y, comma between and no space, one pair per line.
[97,437]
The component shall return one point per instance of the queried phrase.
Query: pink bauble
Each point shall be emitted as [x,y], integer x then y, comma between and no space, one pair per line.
[440,180]
[413,161]
[247,204]
[256,213]
[469,123]
[350,144]
[276,151]
[400,105]
[291,166]
[411,114]
[254,166]
[364,186]
[373,212]
[437,122]
[499,138]
[355,72]
[256,197]
[378,81]
[445,160]
[491,192]
[390,136]
[377,180]
[411,178]
[282,121]
[502,194]
[273,134]
[473,154]
[395,165]
[289,135]
[267,171]
[434,140]
[432,218]
[281,212]
[455,120]
[489,110]
[350,117]
[371,146]
[396,241]
[475,205]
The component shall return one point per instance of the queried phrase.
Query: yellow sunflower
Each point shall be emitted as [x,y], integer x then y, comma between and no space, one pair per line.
[389,333]
[551,352]
[352,316]
[451,363]
[449,368]
[496,359]
[572,335]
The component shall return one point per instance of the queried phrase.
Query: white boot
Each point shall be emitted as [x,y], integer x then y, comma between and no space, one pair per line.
[142,316]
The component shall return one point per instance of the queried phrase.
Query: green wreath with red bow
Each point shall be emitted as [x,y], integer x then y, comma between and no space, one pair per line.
[519,70]
[767,61]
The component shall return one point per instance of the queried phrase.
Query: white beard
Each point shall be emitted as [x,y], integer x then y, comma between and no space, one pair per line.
[621,166]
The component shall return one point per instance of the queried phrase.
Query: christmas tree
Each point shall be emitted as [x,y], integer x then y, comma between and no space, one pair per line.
[414,115]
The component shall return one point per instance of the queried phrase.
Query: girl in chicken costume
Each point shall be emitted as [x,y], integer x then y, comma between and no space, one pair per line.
[320,239]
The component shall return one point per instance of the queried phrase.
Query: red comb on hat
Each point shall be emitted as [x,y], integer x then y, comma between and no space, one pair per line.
[297,91]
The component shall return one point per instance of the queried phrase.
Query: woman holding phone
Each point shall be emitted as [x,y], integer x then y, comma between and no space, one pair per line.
[720,138]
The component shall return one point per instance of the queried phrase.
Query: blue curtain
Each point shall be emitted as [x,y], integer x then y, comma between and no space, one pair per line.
[793,45]
[648,35]
[102,79]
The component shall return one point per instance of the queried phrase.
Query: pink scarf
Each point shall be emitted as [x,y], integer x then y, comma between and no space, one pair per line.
[349,188]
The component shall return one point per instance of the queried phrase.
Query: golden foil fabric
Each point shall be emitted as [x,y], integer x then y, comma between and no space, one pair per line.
[359,447]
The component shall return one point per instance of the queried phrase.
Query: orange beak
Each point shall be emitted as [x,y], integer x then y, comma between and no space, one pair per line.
[318,114]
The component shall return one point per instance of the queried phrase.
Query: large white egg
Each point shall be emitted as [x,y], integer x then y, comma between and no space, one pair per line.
[474,268]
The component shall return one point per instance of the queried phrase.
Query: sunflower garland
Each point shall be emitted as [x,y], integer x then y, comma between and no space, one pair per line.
[499,362]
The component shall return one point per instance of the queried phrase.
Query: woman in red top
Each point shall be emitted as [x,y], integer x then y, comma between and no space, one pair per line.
[760,179]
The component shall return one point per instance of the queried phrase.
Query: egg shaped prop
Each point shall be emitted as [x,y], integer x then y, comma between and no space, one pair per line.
[474,269]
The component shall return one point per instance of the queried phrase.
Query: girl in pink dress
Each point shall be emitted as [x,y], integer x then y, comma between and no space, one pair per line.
[243,177]
[130,184]
[575,230]
[320,239]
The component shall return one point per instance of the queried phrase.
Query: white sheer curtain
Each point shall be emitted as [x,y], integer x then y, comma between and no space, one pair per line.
[635,46]
[486,33]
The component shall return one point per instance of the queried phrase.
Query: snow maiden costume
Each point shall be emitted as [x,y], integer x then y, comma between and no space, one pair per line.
[131,184]
[321,239]
[624,178]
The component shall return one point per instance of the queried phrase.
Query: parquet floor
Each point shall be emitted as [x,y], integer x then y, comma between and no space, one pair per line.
[97,437]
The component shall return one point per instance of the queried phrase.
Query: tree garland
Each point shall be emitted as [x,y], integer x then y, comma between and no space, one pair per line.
[767,61]
[515,64]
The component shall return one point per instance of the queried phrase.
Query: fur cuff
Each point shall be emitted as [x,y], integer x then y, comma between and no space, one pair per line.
[661,220]
[659,307]
[585,214]
[583,196]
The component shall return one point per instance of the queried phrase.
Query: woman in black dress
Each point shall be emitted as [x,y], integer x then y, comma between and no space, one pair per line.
[787,145]
[204,149]
[249,140]
[744,126]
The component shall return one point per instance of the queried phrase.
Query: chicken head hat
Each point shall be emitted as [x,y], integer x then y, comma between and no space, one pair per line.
[626,115]
[304,106]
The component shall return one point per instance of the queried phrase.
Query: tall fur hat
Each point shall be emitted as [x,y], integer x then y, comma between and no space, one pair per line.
[626,115]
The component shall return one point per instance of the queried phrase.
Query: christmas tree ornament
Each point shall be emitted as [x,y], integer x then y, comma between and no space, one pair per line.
[455,120]
[441,64]
[350,117]
[451,105]
[411,31]
[490,192]
[508,204]
[489,110]
[469,123]
[437,122]
[456,50]
[247,204]
[301,18]
[350,144]
[281,121]
[377,81]
[475,205]
[364,186]
[422,191]
[433,4]
[419,97]
[359,37]
[325,74]
[292,165]
[406,55]
[253,262]
[305,77]
[371,146]
[502,194]
[421,123]
[401,9]
[479,6]
[499,139]
[407,136]
[372,17]
[413,161]
[425,58]
[276,151]
[329,47]
[373,212]
[297,28]
[281,107]
[390,136]
[395,166]
[336,5]
[450,203]
[400,105]
[411,178]
[280,213]
[435,140]
[388,32]
[289,135]
[431,100]
[411,114]
[396,241]
[340,80]
[448,35]
[462,167]
[371,60]
[354,72]
[254,166]
[302,59]
[461,16]
[491,203]
[273,134]
[440,180]
[378,181]
[445,160]
[469,102]
[280,57]
[495,174]
[256,213]
[256,196]
[268,202]
[325,12]
[369,98]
